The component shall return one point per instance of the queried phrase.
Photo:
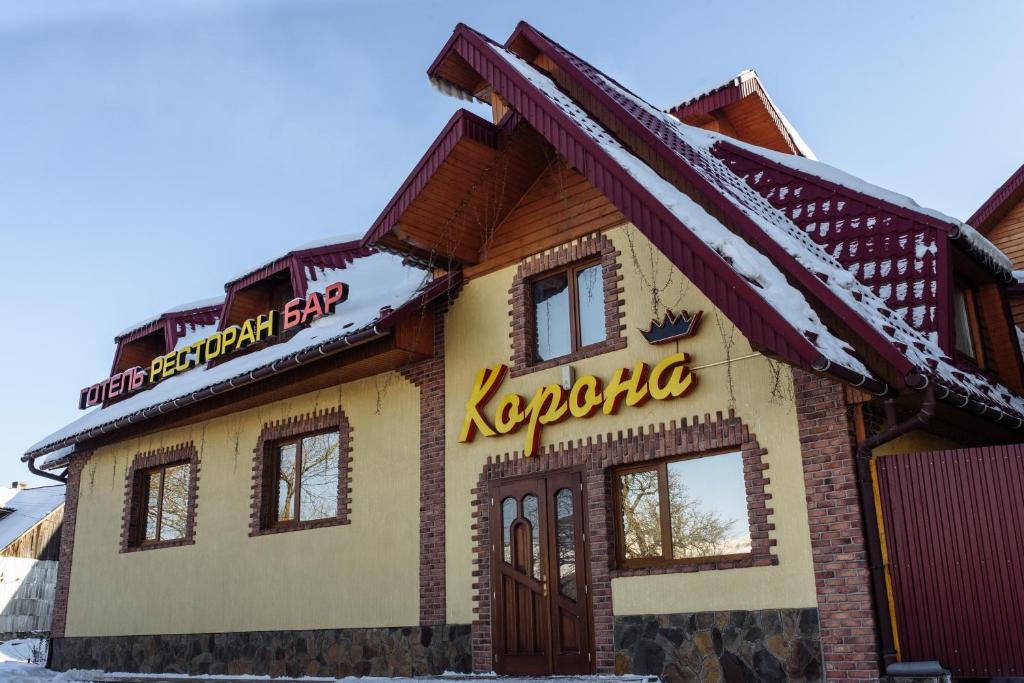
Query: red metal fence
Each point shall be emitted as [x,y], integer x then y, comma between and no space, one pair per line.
[954,537]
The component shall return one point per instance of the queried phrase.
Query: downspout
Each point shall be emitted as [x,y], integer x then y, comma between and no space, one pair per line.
[43,473]
[867,501]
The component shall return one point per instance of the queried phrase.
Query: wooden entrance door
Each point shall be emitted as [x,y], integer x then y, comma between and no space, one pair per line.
[541,615]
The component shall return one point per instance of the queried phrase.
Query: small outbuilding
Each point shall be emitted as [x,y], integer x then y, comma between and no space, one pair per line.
[30,523]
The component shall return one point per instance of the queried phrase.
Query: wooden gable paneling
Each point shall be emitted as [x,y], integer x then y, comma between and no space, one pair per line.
[561,205]
[1008,235]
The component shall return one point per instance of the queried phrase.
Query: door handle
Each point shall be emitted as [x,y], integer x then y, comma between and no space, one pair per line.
[544,585]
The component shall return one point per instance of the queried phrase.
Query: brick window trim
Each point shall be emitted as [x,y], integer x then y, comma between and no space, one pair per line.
[261,490]
[522,335]
[598,459]
[183,453]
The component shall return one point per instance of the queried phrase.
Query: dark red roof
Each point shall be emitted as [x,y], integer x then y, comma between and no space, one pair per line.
[761,323]
[735,89]
[300,264]
[1002,200]
[463,125]
[582,137]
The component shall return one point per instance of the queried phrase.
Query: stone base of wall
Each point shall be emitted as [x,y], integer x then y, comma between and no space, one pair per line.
[762,645]
[410,651]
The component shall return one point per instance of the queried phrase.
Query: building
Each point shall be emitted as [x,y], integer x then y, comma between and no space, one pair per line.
[599,391]
[1001,219]
[30,525]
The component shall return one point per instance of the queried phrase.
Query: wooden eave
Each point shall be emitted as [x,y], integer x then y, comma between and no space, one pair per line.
[1006,196]
[758,321]
[164,325]
[462,188]
[741,109]
[297,264]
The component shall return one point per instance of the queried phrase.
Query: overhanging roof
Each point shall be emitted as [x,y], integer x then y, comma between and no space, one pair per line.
[1006,196]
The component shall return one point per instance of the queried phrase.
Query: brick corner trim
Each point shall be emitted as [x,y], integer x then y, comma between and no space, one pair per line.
[67,544]
[261,495]
[522,322]
[598,457]
[428,376]
[131,517]
[842,577]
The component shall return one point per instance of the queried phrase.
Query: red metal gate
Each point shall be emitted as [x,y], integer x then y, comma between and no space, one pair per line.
[954,539]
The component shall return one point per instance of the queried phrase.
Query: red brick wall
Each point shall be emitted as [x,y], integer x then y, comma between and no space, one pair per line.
[428,375]
[841,574]
[67,544]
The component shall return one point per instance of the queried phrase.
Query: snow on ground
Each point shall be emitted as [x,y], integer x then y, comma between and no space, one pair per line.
[22,661]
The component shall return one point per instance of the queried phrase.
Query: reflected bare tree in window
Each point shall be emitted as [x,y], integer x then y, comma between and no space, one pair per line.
[152,504]
[286,482]
[307,478]
[697,529]
[565,542]
[319,477]
[175,506]
[641,514]
[166,503]
[710,524]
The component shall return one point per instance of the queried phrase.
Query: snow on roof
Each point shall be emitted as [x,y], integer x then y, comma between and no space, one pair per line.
[745,75]
[694,146]
[57,456]
[791,130]
[769,281]
[376,282]
[29,507]
[188,306]
[750,75]
[194,333]
[315,244]
[839,177]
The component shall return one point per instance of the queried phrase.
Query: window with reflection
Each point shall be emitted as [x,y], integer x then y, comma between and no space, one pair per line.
[164,507]
[679,510]
[532,515]
[568,310]
[306,479]
[565,543]
[508,515]
[965,327]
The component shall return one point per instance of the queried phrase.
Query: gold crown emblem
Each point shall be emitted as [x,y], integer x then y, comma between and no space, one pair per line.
[672,327]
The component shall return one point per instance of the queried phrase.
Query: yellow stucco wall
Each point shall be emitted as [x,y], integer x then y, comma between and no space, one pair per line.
[478,336]
[362,574]
[916,441]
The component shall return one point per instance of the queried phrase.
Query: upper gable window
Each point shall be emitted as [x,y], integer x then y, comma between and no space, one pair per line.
[965,323]
[139,352]
[568,310]
[567,305]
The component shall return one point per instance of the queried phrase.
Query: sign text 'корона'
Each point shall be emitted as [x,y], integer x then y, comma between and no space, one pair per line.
[670,378]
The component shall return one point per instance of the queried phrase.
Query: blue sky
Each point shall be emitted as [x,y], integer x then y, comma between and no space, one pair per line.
[150,150]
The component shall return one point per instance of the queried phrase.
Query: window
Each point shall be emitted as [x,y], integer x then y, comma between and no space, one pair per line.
[161,491]
[164,503]
[965,322]
[306,481]
[568,310]
[681,510]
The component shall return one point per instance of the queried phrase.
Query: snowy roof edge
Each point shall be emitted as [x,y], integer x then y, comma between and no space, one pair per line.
[426,293]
